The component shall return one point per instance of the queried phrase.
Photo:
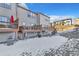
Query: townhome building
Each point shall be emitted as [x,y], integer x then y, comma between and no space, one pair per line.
[30,22]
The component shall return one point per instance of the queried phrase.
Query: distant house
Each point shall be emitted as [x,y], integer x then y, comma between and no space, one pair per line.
[76,21]
[63,24]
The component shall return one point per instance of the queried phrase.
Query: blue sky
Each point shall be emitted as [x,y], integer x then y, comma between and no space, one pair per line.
[58,9]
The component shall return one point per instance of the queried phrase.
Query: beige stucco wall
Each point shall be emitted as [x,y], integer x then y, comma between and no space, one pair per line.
[23,17]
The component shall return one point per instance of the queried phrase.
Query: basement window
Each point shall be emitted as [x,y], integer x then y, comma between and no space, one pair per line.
[28,15]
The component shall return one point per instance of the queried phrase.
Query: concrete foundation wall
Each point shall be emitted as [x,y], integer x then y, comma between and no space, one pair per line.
[6,36]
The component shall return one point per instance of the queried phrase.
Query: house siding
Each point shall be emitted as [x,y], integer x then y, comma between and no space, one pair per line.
[26,17]
[44,20]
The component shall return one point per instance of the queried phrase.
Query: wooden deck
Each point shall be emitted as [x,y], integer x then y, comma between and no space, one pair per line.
[32,30]
[8,30]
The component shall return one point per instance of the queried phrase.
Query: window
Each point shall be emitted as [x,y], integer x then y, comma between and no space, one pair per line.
[32,15]
[3,19]
[28,15]
[5,5]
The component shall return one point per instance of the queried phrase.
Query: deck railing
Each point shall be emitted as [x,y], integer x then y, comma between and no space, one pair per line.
[30,28]
[8,25]
[33,27]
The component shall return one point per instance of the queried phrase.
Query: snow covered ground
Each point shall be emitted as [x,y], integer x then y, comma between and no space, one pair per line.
[33,46]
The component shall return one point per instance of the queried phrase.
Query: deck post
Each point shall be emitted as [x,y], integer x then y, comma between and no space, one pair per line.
[23,35]
[16,36]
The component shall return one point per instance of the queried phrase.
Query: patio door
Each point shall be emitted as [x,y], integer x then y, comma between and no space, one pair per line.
[3,21]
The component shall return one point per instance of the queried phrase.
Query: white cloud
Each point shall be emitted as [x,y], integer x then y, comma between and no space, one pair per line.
[56,18]
[23,5]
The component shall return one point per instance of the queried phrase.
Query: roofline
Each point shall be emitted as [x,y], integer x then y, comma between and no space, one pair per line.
[25,9]
[43,14]
[32,11]
[63,19]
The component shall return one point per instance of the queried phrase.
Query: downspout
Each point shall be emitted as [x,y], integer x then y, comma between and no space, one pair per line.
[17,16]
[17,22]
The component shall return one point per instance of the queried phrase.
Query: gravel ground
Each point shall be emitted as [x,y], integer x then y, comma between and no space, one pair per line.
[70,48]
[70,35]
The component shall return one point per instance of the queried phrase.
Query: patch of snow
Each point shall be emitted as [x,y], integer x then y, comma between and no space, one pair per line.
[33,45]
[57,18]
